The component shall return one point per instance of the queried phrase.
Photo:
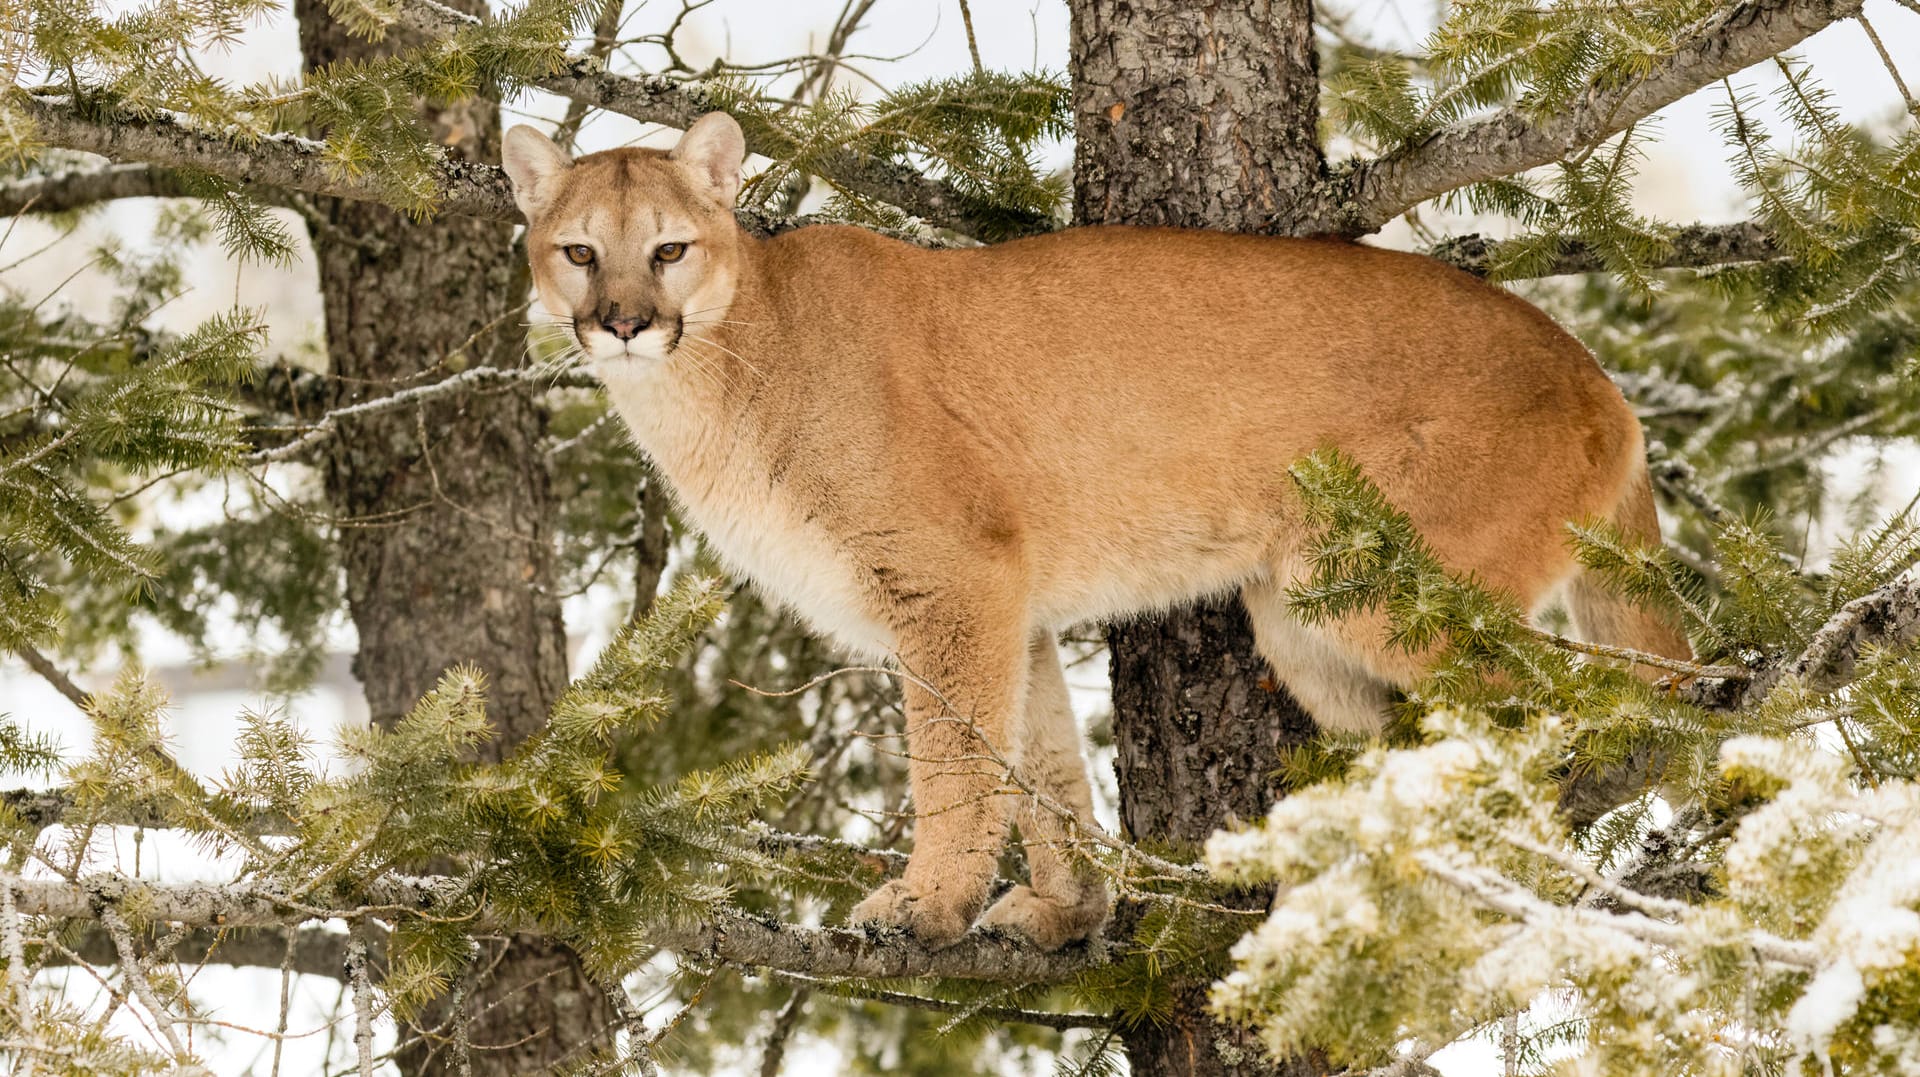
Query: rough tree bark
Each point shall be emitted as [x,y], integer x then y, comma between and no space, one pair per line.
[445,519]
[1197,115]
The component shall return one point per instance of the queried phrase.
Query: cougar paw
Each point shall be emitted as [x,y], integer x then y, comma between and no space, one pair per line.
[1049,923]
[935,923]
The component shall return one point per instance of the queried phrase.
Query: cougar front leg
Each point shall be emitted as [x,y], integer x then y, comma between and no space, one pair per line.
[963,684]
[1066,899]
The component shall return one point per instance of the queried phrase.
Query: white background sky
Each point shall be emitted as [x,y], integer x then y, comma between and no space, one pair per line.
[1683,179]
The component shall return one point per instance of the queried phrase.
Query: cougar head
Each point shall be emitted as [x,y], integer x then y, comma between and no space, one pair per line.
[632,245]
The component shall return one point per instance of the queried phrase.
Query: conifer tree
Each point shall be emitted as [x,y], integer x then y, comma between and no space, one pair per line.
[638,869]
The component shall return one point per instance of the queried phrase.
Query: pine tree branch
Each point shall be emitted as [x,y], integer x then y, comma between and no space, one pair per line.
[735,938]
[317,951]
[291,163]
[41,808]
[677,103]
[1695,246]
[60,192]
[859,992]
[1371,193]
[1887,616]
[732,937]
[283,161]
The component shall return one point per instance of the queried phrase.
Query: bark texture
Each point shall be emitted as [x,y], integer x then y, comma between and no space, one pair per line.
[1199,116]
[445,517]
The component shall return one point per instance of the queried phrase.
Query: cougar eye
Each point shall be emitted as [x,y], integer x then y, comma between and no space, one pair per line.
[670,252]
[578,253]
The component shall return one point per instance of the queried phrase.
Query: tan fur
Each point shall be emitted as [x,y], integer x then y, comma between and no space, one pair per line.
[945,456]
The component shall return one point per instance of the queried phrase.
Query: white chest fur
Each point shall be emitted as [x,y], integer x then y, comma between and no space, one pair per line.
[722,486]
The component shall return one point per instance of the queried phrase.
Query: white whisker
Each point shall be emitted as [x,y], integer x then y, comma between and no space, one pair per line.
[710,342]
[695,348]
[714,374]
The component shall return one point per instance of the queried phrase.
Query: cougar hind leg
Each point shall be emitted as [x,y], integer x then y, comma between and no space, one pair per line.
[1603,616]
[1345,684]
[1066,899]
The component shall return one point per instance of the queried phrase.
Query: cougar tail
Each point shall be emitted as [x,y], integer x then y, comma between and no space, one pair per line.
[1606,617]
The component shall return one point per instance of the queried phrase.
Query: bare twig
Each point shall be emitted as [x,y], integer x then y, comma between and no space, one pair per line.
[315,951]
[135,972]
[1886,58]
[1678,478]
[784,1023]
[820,76]
[362,1002]
[973,43]
[1503,896]
[1641,658]
[53,675]
[1813,446]
[286,1000]
[465,381]
[606,34]
[20,1000]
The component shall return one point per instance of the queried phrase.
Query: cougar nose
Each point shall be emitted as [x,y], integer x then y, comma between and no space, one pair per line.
[624,328]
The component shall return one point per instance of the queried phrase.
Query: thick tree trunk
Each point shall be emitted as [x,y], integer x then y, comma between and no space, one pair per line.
[1197,115]
[445,522]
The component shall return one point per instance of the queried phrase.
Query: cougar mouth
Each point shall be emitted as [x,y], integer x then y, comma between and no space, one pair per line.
[658,341]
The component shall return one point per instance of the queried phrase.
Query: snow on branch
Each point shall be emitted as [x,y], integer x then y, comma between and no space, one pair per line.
[1513,140]
[1503,896]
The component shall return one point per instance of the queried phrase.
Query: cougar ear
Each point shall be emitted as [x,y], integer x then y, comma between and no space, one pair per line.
[532,162]
[713,149]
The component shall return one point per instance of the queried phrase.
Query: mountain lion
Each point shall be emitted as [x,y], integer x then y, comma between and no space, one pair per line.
[944,457]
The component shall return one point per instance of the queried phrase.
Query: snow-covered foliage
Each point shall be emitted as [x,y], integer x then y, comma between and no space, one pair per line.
[1434,891]
[1770,921]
